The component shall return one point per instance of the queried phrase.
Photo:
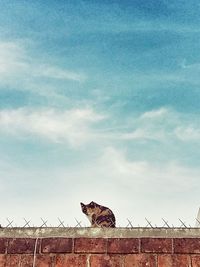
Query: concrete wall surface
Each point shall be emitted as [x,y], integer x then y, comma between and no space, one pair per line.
[98,232]
[96,247]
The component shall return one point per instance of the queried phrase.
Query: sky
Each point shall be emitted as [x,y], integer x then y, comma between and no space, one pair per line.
[99,101]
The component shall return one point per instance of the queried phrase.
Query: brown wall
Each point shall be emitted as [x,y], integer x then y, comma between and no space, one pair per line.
[100,252]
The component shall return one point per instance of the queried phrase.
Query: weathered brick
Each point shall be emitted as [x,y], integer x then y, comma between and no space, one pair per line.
[2,260]
[46,260]
[140,260]
[56,245]
[26,261]
[195,260]
[70,260]
[187,245]
[174,261]
[123,245]
[3,245]
[90,245]
[106,261]
[12,260]
[156,245]
[21,245]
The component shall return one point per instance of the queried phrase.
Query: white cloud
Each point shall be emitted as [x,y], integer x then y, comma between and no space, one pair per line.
[138,173]
[153,114]
[134,135]
[80,126]
[162,125]
[12,59]
[151,125]
[73,126]
[18,66]
[188,133]
[58,73]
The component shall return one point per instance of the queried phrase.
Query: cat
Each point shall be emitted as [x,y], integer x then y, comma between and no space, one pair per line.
[99,216]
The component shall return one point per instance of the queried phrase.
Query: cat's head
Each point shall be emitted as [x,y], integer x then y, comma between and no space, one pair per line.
[88,208]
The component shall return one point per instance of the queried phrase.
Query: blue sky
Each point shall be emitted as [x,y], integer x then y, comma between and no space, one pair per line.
[99,100]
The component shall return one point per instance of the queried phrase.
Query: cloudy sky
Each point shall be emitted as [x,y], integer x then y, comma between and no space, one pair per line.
[99,100]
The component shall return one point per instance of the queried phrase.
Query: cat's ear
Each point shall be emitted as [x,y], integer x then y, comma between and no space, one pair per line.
[92,204]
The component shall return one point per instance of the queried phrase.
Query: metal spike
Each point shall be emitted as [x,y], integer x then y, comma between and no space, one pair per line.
[9,223]
[44,223]
[183,224]
[78,223]
[61,223]
[129,223]
[166,223]
[198,223]
[149,223]
[26,223]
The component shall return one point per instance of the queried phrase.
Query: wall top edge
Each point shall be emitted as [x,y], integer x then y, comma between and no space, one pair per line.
[89,232]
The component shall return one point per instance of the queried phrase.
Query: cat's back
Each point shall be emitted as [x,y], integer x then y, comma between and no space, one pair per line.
[105,217]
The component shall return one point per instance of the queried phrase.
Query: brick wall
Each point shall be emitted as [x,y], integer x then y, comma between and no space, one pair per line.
[100,251]
[104,252]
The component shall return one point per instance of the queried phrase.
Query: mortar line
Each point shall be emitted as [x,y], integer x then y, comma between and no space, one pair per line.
[35,252]
[88,260]
[139,249]
[123,260]
[156,260]
[73,245]
[106,246]
[190,260]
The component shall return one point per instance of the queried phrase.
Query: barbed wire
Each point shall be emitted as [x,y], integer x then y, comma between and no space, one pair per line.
[27,223]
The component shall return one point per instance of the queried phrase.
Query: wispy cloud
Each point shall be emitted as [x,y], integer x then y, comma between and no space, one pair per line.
[58,73]
[164,125]
[153,114]
[188,133]
[138,173]
[160,125]
[17,66]
[12,59]
[72,126]
[78,126]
